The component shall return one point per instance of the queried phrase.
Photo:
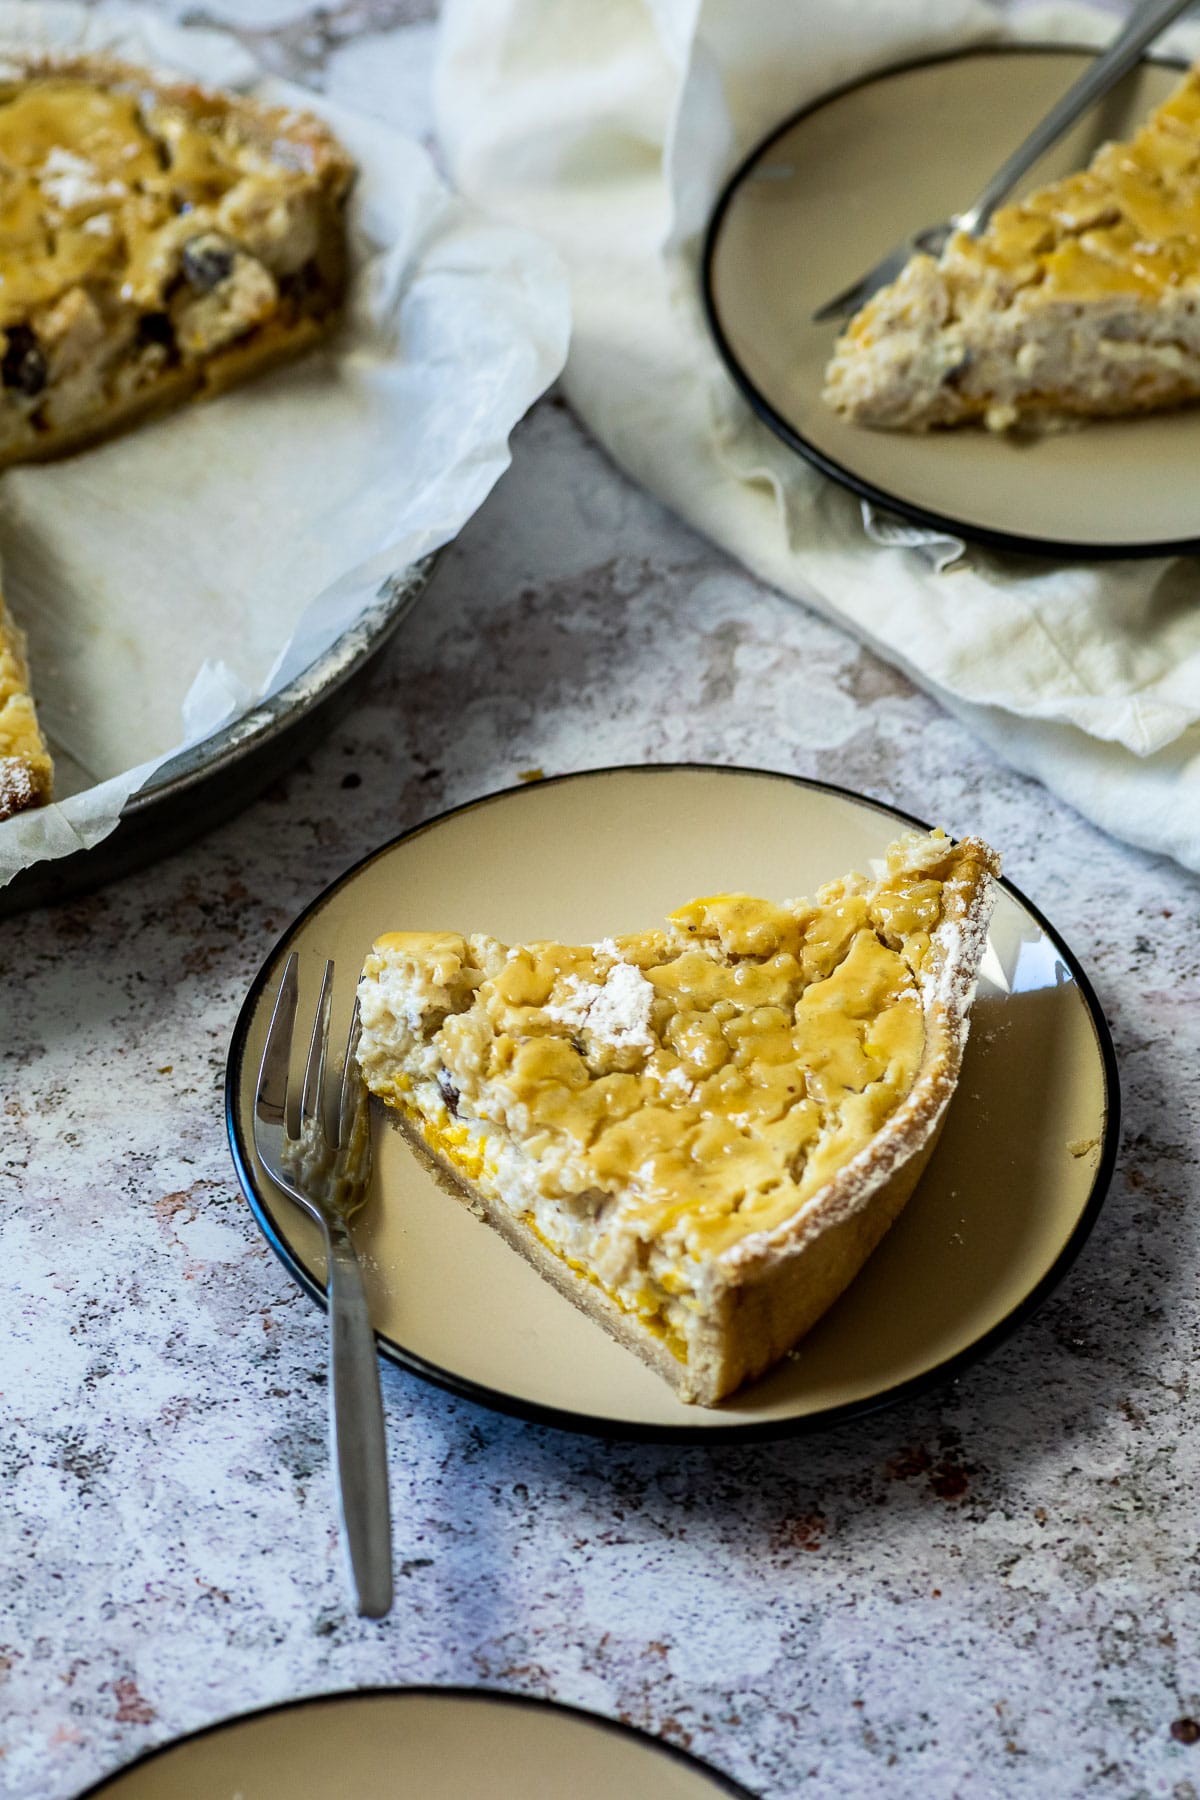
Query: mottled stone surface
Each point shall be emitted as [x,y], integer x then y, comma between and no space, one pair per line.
[991,1592]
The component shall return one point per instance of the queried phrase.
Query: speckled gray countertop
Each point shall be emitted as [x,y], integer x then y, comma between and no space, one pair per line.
[992,1592]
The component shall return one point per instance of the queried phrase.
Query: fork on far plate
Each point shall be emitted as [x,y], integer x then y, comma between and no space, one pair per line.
[1144,25]
[321,1158]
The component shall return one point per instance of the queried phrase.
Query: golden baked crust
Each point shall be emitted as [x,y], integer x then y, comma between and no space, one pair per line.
[157,241]
[1083,299]
[26,775]
[705,1129]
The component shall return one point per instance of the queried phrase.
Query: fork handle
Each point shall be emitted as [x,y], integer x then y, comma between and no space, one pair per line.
[1142,29]
[356,1428]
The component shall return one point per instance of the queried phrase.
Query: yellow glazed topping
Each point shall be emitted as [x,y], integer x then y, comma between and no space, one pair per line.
[145,226]
[1129,224]
[90,175]
[713,1075]
[77,170]
[1126,227]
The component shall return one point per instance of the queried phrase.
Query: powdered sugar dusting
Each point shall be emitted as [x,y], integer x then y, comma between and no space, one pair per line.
[677,1085]
[18,789]
[69,180]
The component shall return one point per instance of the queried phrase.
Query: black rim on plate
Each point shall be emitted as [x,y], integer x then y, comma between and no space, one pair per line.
[199,788]
[630,1430]
[531,1702]
[847,477]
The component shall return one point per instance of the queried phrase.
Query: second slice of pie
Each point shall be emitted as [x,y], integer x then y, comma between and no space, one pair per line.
[1082,299]
[698,1133]
[157,239]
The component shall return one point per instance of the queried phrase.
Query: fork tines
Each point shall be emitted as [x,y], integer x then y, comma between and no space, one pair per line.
[271,1100]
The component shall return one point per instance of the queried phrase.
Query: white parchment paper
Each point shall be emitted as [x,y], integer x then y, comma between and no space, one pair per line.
[172,578]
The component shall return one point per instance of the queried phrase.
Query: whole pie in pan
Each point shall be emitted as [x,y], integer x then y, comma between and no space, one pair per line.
[157,241]
[1082,299]
[698,1133]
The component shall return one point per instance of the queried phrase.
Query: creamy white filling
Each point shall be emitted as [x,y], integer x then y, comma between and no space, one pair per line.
[69,180]
[393,1008]
[583,1228]
[920,368]
[616,1011]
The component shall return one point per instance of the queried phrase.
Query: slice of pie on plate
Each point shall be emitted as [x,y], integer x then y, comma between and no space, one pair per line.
[26,775]
[1083,299]
[699,1133]
[157,241]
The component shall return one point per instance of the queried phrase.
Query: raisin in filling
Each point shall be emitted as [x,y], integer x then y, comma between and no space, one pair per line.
[156,328]
[207,261]
[449,1092]
[23,366]
[303,287]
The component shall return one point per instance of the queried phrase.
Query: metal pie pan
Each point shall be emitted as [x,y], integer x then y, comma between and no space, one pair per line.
[209,782]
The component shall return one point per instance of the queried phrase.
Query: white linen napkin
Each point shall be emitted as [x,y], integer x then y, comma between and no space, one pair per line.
[609,127]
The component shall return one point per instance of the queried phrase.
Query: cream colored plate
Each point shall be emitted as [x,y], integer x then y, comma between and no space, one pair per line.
[423,1743]
[1023,1161]
[827,195]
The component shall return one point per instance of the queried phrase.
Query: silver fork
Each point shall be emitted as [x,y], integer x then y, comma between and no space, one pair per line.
[325,1170]
[1144,26]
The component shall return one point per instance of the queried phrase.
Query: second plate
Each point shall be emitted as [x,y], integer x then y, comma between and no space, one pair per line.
[836,186]
[1021,1169]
